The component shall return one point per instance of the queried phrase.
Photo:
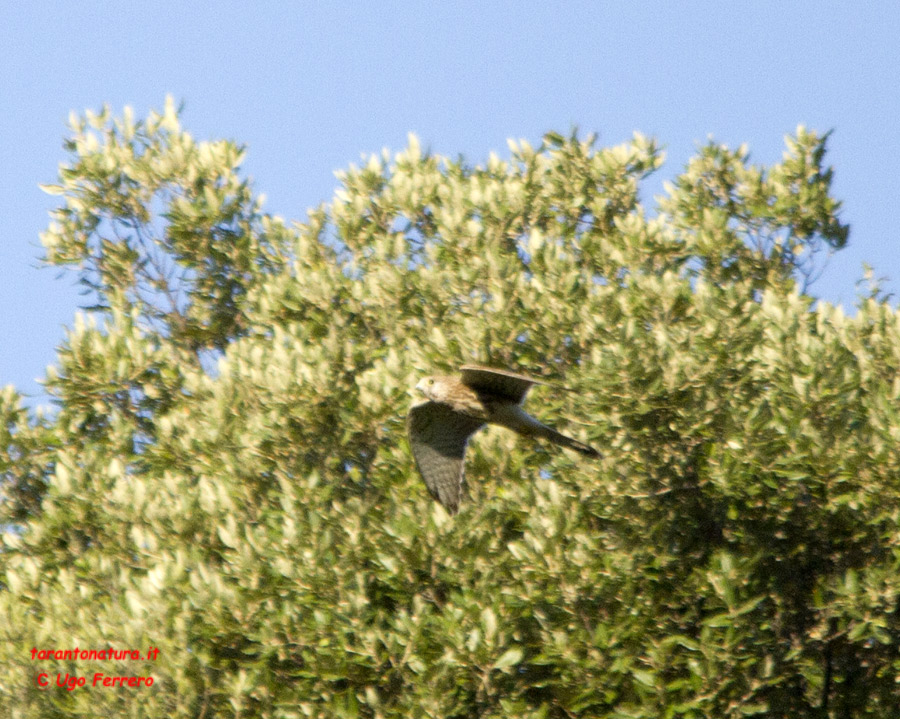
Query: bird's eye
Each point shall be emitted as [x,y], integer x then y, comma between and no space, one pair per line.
[430,381]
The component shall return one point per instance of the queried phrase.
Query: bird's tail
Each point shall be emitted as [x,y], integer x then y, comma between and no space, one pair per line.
[561,439]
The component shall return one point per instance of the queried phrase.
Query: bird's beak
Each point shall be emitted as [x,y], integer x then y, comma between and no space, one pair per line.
[420,386]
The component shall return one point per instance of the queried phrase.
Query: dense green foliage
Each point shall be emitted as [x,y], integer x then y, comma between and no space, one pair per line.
[225,475]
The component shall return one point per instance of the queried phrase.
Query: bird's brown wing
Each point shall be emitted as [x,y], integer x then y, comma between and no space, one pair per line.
[438,438]
[498,382]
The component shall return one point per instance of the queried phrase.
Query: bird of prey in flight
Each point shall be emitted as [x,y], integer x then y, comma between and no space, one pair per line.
[454,409]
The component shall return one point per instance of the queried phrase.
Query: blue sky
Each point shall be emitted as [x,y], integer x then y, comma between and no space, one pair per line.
[309,87]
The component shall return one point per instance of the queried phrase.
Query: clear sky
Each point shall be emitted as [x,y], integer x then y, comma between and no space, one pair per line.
[309,87]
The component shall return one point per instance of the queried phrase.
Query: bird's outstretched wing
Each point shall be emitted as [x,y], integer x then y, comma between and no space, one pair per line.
[438,438]
[498,382]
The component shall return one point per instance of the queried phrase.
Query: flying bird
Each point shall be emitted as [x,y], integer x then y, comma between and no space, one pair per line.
[454,409]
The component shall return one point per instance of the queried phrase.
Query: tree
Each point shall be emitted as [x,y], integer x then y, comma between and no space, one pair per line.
[225,475]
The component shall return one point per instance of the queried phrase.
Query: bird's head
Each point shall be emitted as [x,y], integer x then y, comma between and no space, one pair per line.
[432,387]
